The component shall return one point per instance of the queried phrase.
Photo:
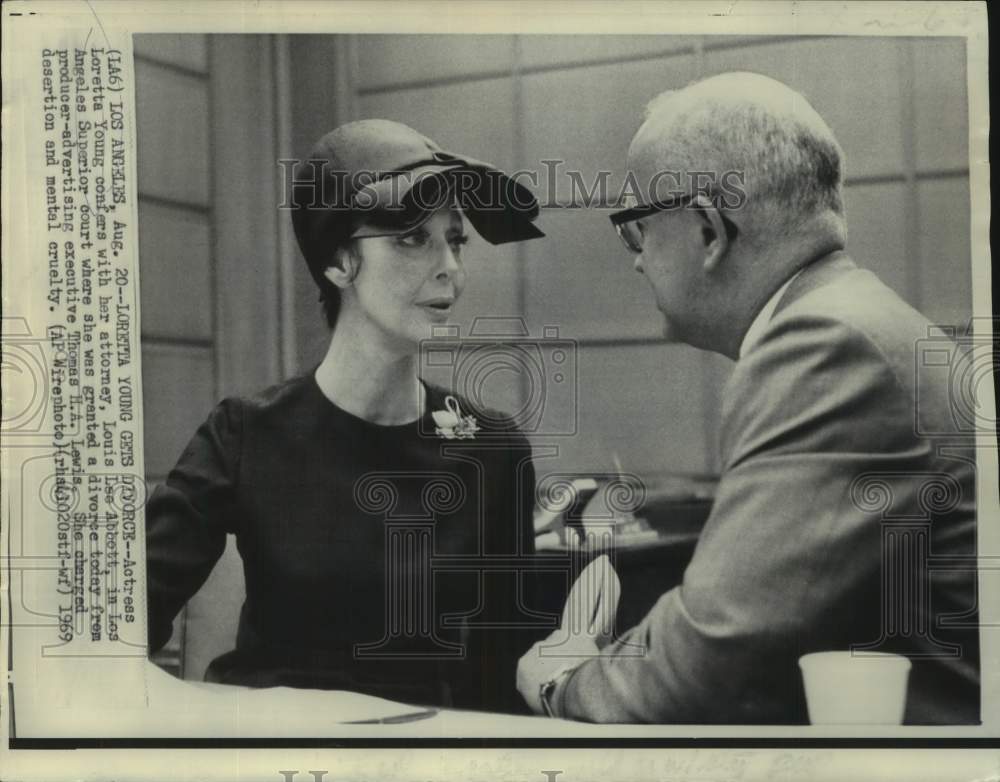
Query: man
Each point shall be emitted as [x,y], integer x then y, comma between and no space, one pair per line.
[824,499]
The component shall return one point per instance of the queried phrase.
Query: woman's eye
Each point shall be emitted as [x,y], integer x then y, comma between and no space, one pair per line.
[457,241]
[415,239]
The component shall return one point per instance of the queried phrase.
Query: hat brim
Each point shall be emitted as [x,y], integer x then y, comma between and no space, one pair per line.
[499,208]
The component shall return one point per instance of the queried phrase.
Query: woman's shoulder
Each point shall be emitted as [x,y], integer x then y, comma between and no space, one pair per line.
[277,399]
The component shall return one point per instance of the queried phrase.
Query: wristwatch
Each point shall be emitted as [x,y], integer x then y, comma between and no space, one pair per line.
[547,689]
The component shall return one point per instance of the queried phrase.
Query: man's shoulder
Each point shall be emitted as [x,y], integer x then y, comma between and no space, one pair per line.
[851,317]
[840,351]
[844,356]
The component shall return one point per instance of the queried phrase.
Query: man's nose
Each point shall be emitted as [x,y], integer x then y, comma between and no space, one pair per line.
[638,263]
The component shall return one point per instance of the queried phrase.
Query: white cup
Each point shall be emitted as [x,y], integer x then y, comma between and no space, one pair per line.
[862,688]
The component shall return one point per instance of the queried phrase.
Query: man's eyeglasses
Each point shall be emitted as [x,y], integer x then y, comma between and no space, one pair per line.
[628,230]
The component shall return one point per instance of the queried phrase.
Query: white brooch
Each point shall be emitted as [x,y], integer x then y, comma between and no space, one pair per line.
[451,424]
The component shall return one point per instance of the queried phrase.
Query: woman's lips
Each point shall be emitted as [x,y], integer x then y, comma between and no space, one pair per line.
[438,309]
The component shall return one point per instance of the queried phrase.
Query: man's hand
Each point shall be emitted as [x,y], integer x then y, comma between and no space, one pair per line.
[587,623]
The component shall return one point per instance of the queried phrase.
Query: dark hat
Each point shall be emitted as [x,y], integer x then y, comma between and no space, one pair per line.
[385,174]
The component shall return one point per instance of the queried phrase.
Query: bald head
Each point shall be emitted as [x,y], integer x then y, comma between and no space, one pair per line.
[790,163]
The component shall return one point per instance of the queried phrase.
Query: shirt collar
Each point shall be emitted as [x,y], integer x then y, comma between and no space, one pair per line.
[756,330]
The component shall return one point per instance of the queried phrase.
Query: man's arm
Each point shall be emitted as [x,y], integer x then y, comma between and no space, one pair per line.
[784,550]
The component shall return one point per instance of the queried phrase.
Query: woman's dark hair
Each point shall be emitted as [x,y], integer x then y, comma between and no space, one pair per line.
[329,297]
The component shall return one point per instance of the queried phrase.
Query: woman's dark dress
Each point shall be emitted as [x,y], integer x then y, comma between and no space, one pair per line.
[319,501]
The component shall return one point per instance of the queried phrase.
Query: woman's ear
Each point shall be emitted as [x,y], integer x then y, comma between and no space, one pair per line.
[342,271]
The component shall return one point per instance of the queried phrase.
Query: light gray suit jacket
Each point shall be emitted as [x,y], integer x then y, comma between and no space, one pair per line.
[832,509]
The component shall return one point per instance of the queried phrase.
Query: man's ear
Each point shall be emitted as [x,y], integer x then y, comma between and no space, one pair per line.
[713,233]
[342,271]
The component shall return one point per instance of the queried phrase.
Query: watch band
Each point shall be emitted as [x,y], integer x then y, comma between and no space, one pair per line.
[548,688]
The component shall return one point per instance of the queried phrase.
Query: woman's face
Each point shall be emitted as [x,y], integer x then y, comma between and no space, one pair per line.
[406,284]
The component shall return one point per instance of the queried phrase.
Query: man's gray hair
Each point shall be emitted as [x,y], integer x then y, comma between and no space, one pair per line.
[745,122]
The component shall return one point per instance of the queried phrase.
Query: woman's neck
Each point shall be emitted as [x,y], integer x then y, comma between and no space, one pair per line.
[370,382]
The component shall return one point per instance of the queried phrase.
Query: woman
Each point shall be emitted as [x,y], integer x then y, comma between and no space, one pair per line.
[341,485]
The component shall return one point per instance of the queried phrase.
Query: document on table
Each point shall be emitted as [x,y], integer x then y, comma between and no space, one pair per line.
[278,710]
